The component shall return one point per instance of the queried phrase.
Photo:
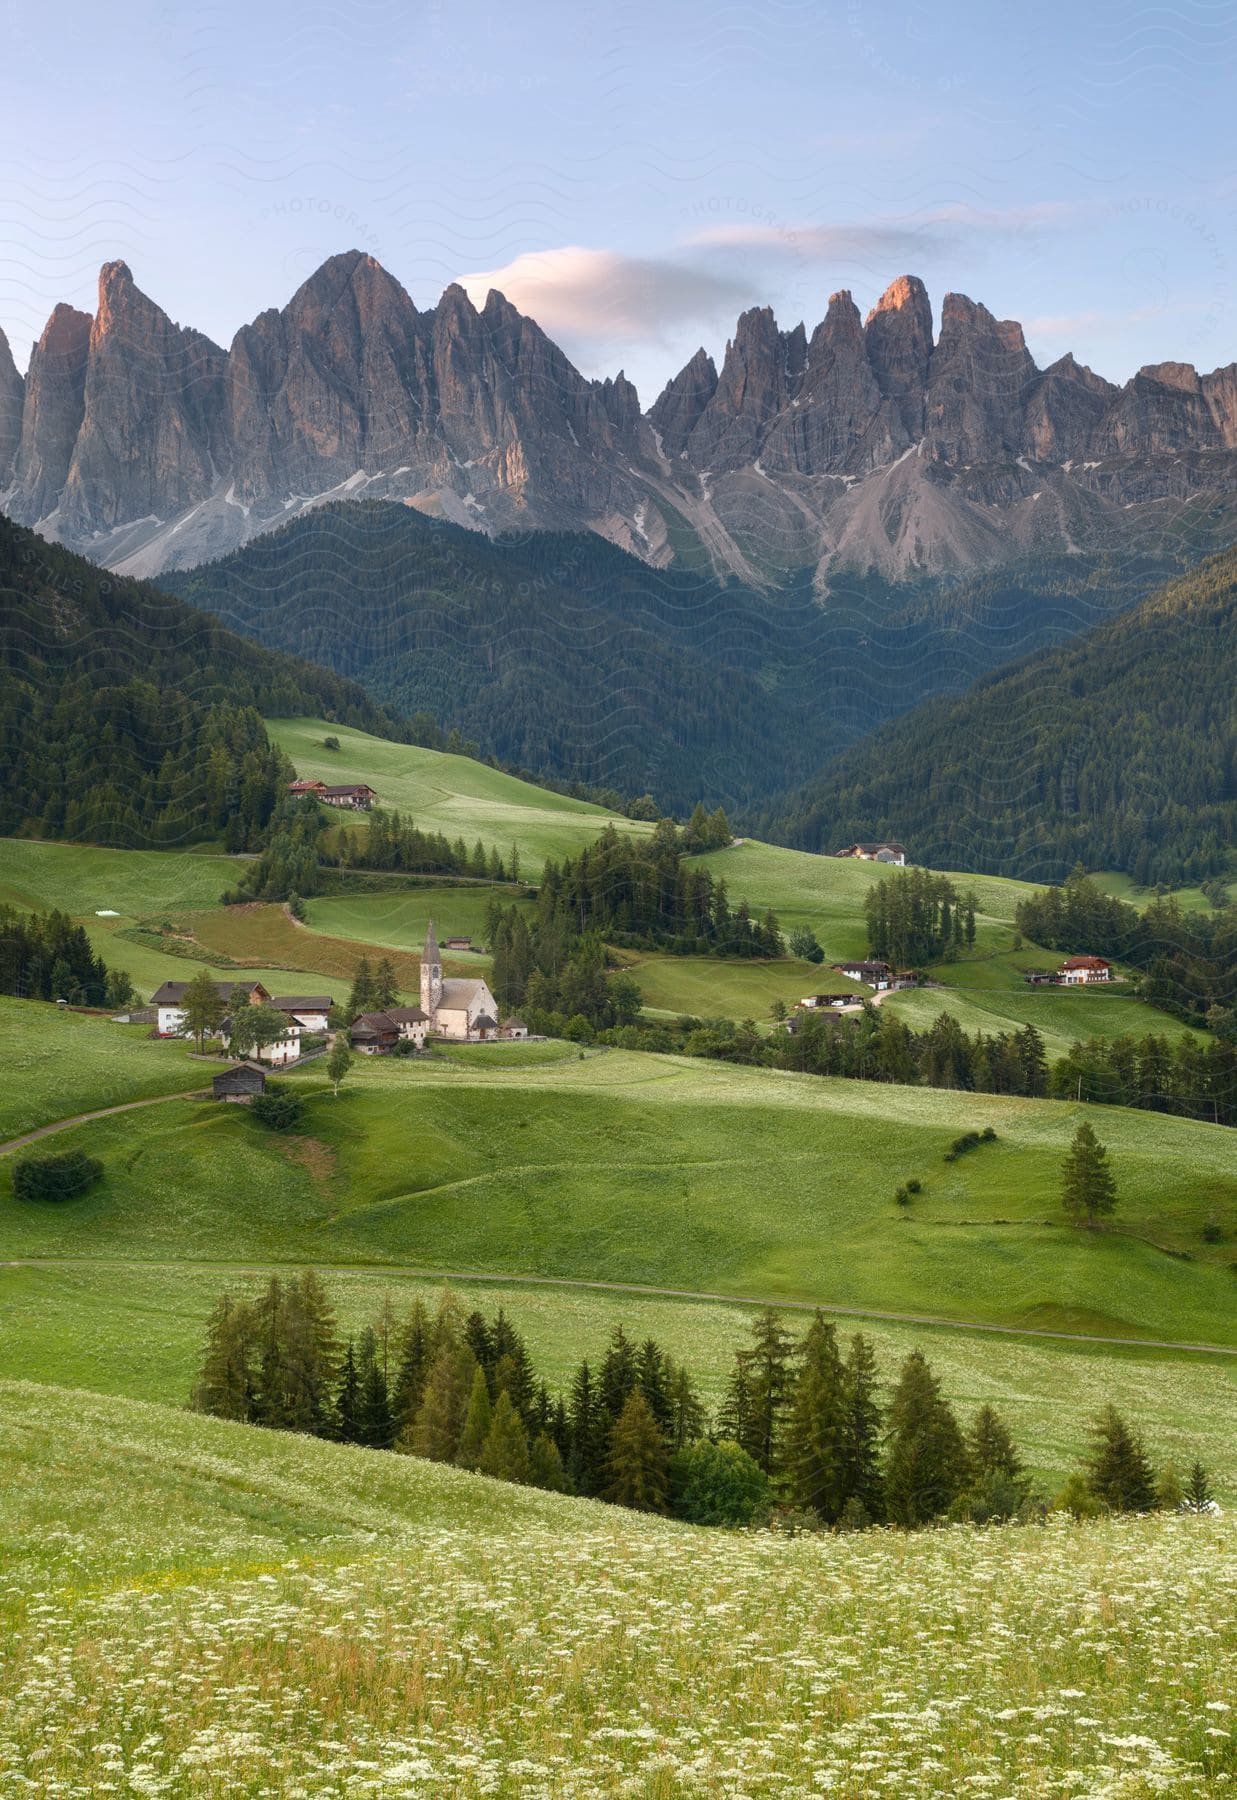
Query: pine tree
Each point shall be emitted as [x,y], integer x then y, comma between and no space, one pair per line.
[375,1420]
[864,1479]
[348,1399]
[1118,1471]
[513,1366]
[477,1422]
[224,1387]
[589,1424]
[414,1361]
[270,1405]
[638,1464]
[926,1467]
[311,1352]
[361,999]
[653,1374]
[1088,1190]
[1197,1497]
[386,988]
[687,1416]
[734,1415]
[769,1370]
[813,1458]
[990,1445]
[545,1465]
[619,1374]
[504,1454]
[439,1422]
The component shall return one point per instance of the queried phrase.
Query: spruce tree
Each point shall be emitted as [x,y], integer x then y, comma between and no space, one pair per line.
[990,1446]
[1118,1471]
[926,1466]
[619,1374]
[638,1464]
[687,1415]
[311,1352]
[813,1459]
[770,1375]
[590,1428]
[504,1455]
[477,1421]
[545,1465]
[348,1399]
[375,1419]
[653,1374]
[1088,1190]
[1197,1497]
[361,999]
[513,1366]
[414,1361]
[385,988]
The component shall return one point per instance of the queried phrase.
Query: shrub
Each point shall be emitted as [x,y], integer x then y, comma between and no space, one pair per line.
[330,743]
[902,1197]
[970,1140]
[277,1109]
[55,1177]
[718,1484]
[914,1185]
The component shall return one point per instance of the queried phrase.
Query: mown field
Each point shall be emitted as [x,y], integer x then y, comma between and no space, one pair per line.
[199,1608]
[58,1063]
[635,1168]
[451,794]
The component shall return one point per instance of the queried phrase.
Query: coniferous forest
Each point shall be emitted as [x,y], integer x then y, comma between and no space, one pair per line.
[809,1434]
[1116,751]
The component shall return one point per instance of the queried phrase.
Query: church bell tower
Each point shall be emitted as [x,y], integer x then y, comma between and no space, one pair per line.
[431,973]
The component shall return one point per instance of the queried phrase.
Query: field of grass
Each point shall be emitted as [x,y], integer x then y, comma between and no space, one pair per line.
[81,879]
[451,794]
[136,1330]
[1062,1016]
[58,1063]
[636,1168]
[200,1608]
[710,987]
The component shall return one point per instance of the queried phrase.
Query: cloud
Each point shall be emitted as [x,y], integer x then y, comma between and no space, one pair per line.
[933,232]
[593,296]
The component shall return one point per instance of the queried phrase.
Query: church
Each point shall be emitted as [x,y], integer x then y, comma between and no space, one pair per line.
[456,1009]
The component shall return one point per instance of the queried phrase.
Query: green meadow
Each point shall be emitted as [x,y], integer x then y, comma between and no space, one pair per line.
[198,1608]
[675,1173]
[58,1064]
[451,794]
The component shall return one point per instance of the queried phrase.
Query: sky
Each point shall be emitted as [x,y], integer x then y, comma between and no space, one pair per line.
[635,174]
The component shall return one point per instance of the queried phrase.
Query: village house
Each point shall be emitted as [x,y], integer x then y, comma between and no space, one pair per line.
[309,1011]
[240,1083]
[878,975]
[882,853]
[281,1050]
[311,786]
[169,1002]
[356,795]
[1077,971]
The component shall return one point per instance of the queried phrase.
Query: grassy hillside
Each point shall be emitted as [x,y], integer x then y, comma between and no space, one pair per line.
[58,1063]
[636,1168]
[451,794]
[197,1608]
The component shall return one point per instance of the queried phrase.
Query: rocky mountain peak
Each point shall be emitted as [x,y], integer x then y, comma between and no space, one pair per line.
[898,337]
[12,394]
[676,412]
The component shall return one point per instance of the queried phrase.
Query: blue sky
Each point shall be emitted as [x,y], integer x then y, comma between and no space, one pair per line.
[635,174]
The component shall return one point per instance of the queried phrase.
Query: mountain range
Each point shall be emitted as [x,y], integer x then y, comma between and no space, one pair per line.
[882,445]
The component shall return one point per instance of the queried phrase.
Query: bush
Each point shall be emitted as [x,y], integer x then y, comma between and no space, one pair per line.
[718,1484]
[914,1185]
[330,743]
[970,1140]
[277,1109]
[55,1177]
[902,1197]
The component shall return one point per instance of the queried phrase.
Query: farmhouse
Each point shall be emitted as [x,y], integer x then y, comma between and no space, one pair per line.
[1076,971]
[307,787]
[240,1083]
[357,795]
[876,974]
[309,1011]
[882,853]
[169,1002]
[285,1049]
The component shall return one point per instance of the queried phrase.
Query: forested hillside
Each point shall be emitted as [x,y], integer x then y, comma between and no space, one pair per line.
[1118,751]
[561,655]
[129,718]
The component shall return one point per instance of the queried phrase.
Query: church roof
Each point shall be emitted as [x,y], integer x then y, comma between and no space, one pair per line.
[430,953]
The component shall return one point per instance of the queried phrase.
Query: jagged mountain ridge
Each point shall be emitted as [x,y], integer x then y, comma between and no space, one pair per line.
[869,445]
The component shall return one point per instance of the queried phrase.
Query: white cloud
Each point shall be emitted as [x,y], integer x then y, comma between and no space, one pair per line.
[588,297]
[933,231]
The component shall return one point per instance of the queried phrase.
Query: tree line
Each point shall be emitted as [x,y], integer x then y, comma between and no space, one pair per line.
[916,917]
[806,1434]
[45,956]
[1189,958]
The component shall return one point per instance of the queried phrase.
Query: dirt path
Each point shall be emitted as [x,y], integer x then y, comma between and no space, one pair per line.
[641,1290]
[103,1112]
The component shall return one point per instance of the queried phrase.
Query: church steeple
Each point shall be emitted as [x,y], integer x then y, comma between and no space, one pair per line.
[431,972]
